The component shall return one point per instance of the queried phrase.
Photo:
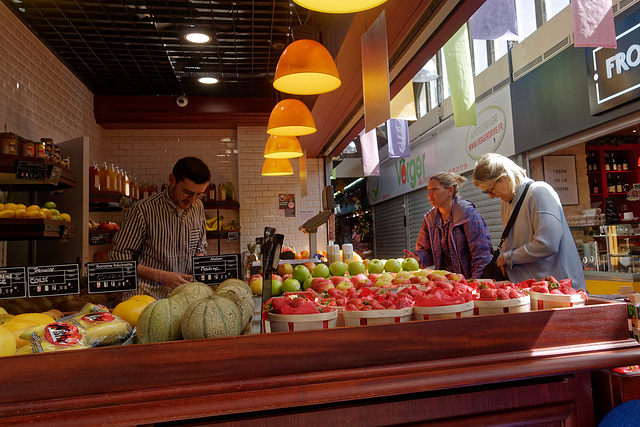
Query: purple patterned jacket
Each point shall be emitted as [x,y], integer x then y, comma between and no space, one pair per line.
[469,240]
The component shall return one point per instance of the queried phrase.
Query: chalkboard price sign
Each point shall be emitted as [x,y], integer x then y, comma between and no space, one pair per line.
[612,216]
[115,276]
[12,282]
[99,239]
[215,269]
[52,280]
[31,170]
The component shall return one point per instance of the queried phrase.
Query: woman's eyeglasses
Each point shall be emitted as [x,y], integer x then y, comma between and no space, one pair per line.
[490,192]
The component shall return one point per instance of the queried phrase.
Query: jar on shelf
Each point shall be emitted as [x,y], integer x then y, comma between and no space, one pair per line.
[40,149]
[27,148]
[9,143]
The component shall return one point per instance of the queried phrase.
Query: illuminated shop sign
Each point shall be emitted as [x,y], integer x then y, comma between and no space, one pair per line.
[614,74]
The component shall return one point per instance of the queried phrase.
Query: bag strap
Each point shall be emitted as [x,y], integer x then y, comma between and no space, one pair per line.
[513,216]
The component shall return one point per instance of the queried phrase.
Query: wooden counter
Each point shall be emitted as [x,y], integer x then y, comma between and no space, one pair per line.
[523,367]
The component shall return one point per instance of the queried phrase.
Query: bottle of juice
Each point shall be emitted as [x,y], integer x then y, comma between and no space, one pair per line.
[212,191]
[153,189]
[104,177]
[126,184]
[94,176]
[230,191]
[119,177]
[113,177]
[144,190]
[134,188]
[222,191]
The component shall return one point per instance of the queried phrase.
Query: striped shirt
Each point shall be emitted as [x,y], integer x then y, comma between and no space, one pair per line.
[157,234]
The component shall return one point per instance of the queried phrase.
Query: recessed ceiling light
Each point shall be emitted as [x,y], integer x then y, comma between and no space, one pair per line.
[208,80]
[196,37]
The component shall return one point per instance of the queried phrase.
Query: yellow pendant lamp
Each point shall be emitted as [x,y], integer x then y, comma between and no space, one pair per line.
[339,6]
[306,68]
[277,167]
[282,147]
[290,117]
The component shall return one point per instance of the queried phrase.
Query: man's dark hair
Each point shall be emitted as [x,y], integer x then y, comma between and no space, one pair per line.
[192,168]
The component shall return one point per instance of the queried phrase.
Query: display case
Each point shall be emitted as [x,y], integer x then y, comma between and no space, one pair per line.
[610,255]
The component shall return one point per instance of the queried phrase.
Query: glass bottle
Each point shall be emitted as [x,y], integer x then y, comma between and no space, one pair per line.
[614,166]
[625,165]
[104,177]
[594,186]
[212,191]
[113,175]
[94,176]
[153,189]
[607,164]
[118,182]
[144,190]
[126,184]
[611,187]
[164,186]
[618,184]
[134,188]
[230,191]
[222,191]
[596,161]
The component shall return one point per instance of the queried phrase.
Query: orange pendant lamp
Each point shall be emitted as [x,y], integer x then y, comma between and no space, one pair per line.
[282,147]
[306,68]
[290,117]
[277,167]
[339,6]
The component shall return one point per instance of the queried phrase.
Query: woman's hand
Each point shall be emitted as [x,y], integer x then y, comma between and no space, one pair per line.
[500,262]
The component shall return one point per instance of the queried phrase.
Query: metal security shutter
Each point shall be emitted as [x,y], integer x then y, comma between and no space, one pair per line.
[488,208]
[417,206]
[389,229]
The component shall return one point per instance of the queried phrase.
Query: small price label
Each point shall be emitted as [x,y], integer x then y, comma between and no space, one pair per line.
[233,236]
[54,177]
[99,239]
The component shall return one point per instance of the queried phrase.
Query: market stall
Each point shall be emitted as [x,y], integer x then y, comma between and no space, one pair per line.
[532,367]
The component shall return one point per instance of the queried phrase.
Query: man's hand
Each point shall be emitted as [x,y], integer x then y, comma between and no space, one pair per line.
[411,255]
[172,280]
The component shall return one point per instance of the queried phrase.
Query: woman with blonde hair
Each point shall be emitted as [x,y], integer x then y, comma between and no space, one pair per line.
[454,236]
[540,243]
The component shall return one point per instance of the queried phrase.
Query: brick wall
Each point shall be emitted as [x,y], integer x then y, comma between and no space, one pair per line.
[259,194]
[39,96]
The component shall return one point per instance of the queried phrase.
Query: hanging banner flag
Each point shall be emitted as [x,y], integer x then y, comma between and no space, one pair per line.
[593,23]
[403,105]
[457,56]
[370,156]
[375,74]
[495,20]
[398,138]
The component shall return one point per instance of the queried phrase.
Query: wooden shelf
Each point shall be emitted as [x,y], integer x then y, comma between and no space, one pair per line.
[8,164]
[35,229]
[221,234]
[221,204]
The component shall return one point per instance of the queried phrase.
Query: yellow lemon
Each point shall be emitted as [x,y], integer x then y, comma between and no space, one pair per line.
[33,208]
[66,217]
[35,214]
[47,213]
[21,213]
[21,206]
[7,342]
[7,213]
[11,206]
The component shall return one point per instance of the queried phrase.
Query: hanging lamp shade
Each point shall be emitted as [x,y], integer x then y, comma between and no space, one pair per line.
[282,147]
[339,6]
[277,167]
[290,117]
[306,68]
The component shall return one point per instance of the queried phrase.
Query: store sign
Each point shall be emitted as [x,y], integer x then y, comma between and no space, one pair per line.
[614,74]
[560,173]
[448,149]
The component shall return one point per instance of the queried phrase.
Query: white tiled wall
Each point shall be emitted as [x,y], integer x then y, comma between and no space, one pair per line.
[259,194]
[39,96]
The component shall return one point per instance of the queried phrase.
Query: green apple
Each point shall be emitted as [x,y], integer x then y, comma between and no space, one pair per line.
[290,285]
[307,283]
[276,288]
[300,273]
[410,264]
[356,267]
[392,265]
[375,266]
[338,268]
[320,270]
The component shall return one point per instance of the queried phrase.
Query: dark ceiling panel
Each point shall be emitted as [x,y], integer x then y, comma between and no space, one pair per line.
[135,47]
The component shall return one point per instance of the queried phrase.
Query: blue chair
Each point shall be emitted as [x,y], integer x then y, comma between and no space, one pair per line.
[626,414]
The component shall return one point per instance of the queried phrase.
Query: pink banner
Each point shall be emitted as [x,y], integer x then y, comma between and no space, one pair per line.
[593,24]
[370,157]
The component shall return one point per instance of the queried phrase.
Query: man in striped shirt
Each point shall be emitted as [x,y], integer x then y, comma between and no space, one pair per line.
[164,231]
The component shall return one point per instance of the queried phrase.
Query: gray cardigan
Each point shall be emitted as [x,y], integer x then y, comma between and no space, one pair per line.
[540,243]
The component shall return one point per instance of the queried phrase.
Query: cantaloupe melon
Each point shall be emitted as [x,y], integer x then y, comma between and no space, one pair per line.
[160,321]
[245,303]
[212,317]
[198,287]
[234,282]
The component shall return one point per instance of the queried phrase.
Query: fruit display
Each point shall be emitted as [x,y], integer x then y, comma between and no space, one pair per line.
[217,224]
[103,225]
[48,211]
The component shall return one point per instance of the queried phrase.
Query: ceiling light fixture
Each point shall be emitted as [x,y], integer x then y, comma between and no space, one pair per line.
[277,167]
[197,37]
[306,68]
[339,6]
[208,80]
[282,147]
[290,117]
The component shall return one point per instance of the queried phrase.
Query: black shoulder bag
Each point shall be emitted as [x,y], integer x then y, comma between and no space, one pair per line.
[492,271]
